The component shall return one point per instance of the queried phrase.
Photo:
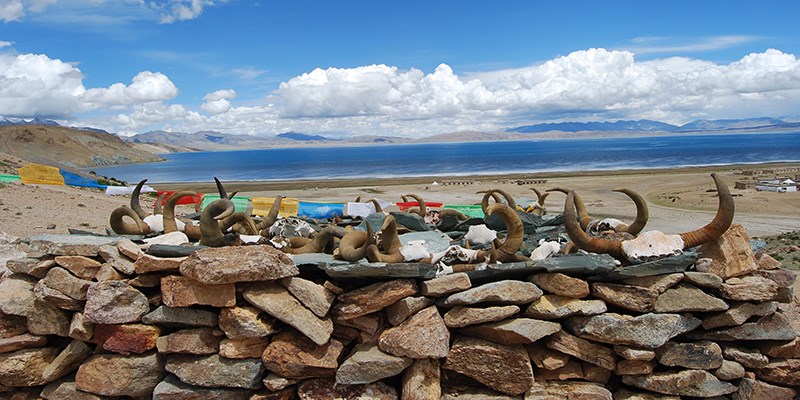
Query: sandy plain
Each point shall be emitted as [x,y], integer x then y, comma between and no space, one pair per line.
[679,199]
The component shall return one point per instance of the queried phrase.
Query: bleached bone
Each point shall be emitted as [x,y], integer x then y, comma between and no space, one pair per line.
[480,234]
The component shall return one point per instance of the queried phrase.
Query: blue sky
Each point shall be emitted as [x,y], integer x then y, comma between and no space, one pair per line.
[411,68]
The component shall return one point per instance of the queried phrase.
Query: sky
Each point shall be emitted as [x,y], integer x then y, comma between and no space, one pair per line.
[410,68]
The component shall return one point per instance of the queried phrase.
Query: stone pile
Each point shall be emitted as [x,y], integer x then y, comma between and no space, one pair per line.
[96,317]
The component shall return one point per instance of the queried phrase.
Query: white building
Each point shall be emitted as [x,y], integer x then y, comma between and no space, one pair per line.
[776,185]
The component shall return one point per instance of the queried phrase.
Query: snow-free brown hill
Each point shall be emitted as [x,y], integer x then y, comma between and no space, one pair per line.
[69,147]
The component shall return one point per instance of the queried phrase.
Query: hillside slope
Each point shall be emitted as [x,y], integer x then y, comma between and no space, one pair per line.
[68,147]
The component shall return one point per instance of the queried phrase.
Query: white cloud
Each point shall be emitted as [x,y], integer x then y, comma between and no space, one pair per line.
[379,90]
[11,10]
[145,87]
[104,11]
[36,85]
[218,102]
[592,84]
[3,43]
[182,10]
[586,84]
[668,45]
[33,84]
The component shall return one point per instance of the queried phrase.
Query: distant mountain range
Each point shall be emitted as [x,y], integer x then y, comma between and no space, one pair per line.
[644,125]
[19,121]
[169,142]
[303,136]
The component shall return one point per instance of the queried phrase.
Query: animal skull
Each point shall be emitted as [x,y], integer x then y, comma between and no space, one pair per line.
[652,244]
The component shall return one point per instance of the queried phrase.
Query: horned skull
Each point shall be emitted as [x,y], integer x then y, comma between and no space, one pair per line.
[653,244]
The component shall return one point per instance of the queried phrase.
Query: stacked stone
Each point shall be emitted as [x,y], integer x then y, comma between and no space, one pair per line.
[95,317]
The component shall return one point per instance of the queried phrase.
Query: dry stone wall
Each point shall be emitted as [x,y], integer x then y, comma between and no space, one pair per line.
[97,317]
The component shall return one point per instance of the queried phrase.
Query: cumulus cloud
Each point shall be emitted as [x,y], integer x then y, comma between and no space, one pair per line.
[3,43]
[36,85]
[218,102]
[33,84]
[379,90]
[145,87]
[592,84]
[589,83]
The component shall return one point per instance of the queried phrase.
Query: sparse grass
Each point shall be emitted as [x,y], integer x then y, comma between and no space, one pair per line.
[104,180]
[785,248]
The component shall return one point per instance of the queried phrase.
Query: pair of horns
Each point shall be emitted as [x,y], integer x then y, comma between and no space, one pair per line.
[642,210]
[721,222]
[493,194]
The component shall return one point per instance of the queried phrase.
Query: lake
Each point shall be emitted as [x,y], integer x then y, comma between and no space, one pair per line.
[473,158]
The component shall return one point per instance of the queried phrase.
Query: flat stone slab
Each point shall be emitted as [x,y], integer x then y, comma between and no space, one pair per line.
[666,265]
[435,241]
[71,245]
[180,317]
[172,388]
[238,264]
[696,383]
[646,331]
[501,367]
[504,271]
[771,327]
[514,330]
[276,300]
[380,270]
[501,292]
[169,250]
[216,371]
[369,364]
[579,264]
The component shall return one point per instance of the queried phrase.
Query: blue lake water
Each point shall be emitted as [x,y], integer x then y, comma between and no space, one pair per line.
[474,158]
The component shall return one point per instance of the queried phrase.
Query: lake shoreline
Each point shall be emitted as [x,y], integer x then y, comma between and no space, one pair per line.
[262,185]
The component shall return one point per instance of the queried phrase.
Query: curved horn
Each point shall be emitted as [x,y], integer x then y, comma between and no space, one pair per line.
[583,240]
[721,222]
[515,231]
[583,215]
[209,222]
[374,255]
[169,209]
[642,213]
[558,189]
[485,200]
[509,199]
[121,227]
[354,244]
[358,199]
[244,221]
[135,206]
[538,194]
[449,211]
[377,205]
[159,206]
[390,241]
[316,245]
[272,215]
[222,193]
[423,210]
